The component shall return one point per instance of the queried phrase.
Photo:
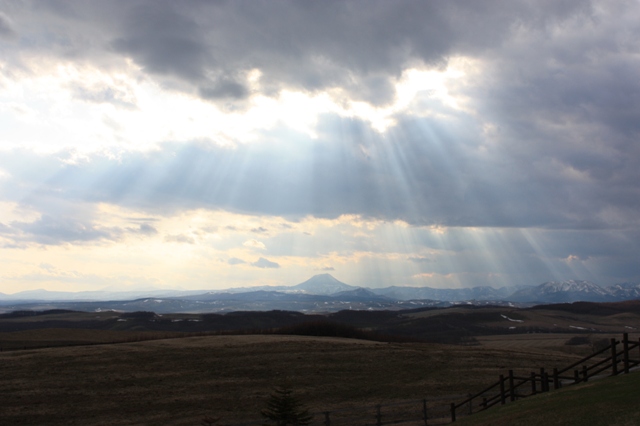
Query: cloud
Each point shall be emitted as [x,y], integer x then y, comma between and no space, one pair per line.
[254,244]
[50,230]
[420,259]
[180,238]
[424,172]
[264,263]
[209,48]
[47,267]
[327,268]
[6,27]
[4,229]
[235,261]
[144,229]
[104,94]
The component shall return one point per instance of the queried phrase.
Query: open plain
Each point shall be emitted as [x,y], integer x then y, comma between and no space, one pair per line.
[75,368]
[180,381]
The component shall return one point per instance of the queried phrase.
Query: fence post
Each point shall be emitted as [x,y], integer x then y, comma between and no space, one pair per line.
[546,381]
[533,383]
[502,396]
[576,376]
[512,391]
[424,411]
[625,345]
[453,412]
[543,385]
[327,420]
[378,415]
[512,388]
[556,379]
[614,358]
[585,373]
[484,403]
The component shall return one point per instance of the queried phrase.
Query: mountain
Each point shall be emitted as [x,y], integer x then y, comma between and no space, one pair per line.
[41,295]
[320,293]
[323,284]
[257,296]
[360,294]
[448,294]
[564,291]
[625,291]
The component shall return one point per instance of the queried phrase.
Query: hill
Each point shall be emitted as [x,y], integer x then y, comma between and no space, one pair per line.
[611,401]
[457,324]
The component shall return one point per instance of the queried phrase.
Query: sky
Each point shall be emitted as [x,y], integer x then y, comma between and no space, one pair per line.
[216,144]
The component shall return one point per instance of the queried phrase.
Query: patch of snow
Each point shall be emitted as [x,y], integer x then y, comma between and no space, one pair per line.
[578,328]
[510,319]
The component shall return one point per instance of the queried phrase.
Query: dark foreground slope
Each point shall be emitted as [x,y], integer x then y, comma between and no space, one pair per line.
[607,402]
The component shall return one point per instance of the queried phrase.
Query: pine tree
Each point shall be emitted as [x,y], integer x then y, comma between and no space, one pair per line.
[284,409]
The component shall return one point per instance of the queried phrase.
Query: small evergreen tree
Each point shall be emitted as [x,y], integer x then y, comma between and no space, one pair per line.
[284,409]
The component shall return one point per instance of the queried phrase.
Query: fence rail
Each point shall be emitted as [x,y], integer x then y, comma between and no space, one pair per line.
[513,387]
[432,411]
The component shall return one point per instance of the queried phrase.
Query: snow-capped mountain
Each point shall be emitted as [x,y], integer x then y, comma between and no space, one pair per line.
[625,291]
[448,294]
[564,291]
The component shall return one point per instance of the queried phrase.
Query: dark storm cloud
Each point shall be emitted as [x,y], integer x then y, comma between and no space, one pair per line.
[359,46]
[164,40]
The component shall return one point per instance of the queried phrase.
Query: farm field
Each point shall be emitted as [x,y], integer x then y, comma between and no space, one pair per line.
[549,342]
[180,381]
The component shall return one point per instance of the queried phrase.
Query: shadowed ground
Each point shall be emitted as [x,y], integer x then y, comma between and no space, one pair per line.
[179,381]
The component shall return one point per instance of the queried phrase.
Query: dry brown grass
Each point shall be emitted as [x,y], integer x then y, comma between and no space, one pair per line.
[180,381]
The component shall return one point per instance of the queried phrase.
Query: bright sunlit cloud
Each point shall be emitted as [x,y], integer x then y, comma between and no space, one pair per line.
[66,106]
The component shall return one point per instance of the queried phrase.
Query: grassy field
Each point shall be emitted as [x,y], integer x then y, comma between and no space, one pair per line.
[614,401]
[180,381]
[133,369]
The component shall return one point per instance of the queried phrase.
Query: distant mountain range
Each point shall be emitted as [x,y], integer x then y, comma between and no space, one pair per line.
[320,293]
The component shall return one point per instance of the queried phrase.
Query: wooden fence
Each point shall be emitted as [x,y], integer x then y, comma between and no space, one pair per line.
[418,412]
[512,387]
[614,359]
